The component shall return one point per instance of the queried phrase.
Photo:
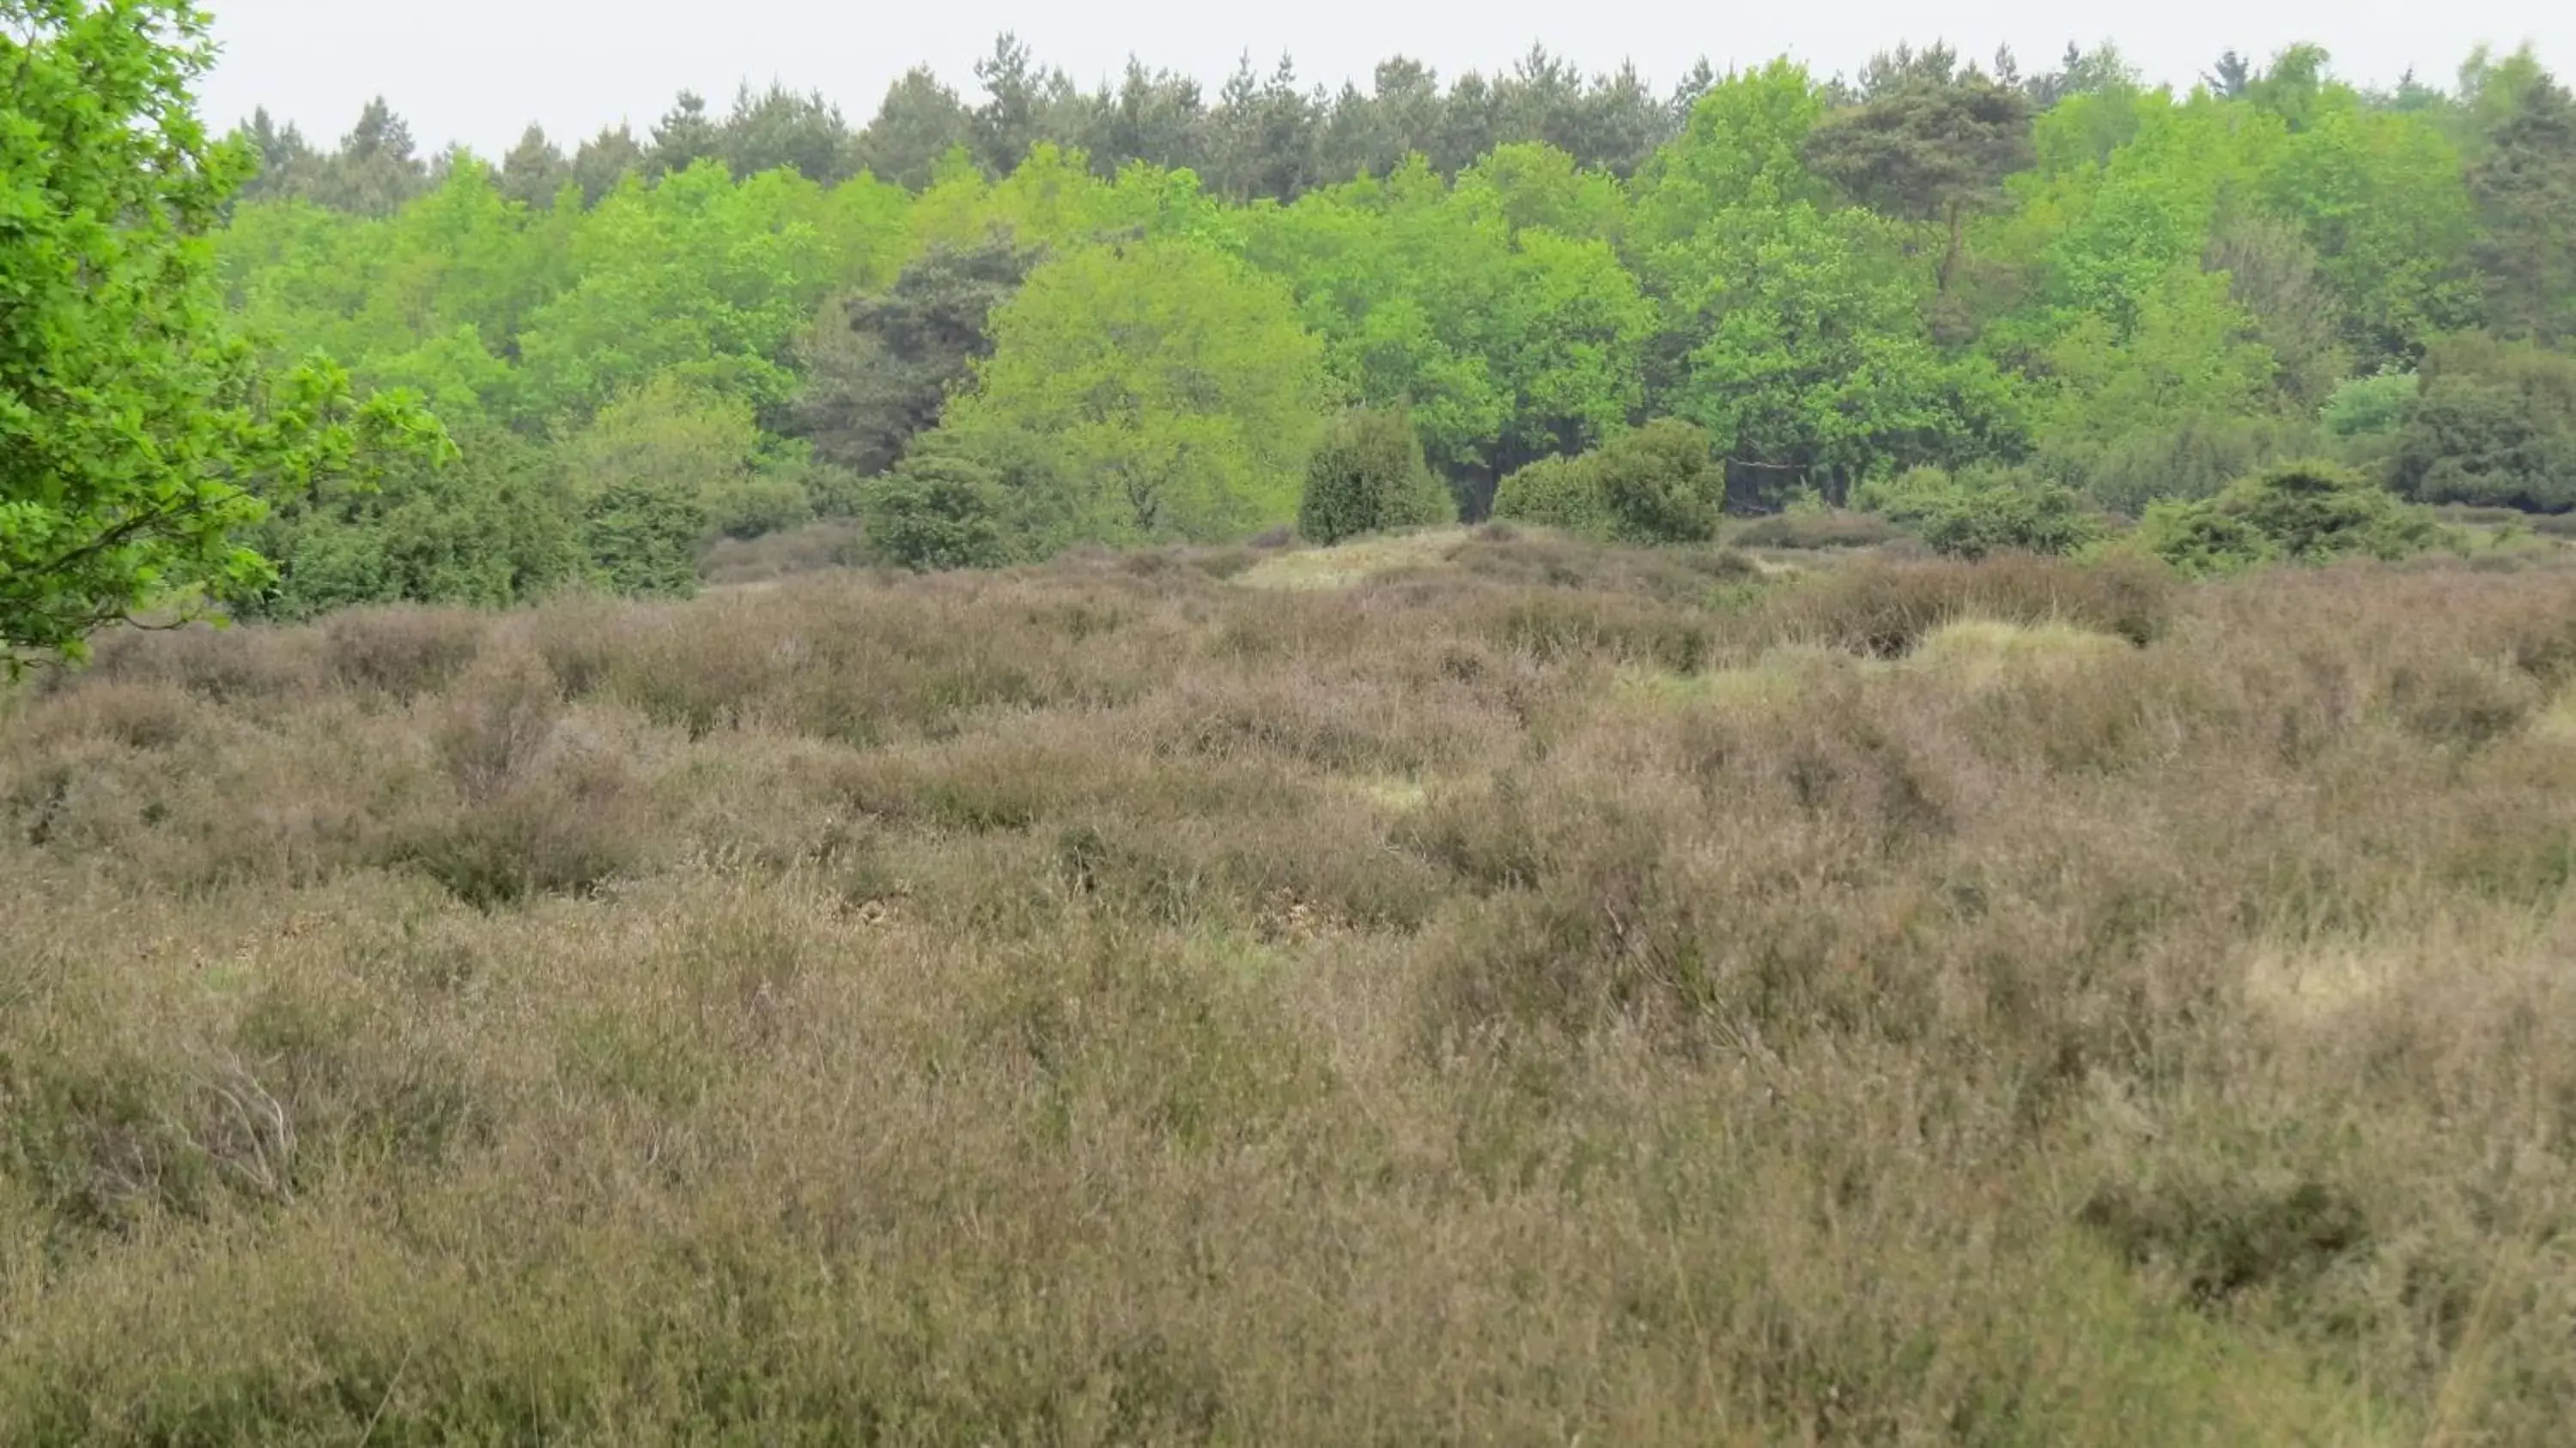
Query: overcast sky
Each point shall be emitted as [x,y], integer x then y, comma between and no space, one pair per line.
[479,70]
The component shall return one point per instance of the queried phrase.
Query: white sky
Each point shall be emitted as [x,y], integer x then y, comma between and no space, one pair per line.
[479,70]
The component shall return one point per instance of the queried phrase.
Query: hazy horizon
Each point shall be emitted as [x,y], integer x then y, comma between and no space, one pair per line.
[489,68]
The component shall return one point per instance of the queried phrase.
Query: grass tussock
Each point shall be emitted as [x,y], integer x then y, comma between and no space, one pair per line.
[1526,992]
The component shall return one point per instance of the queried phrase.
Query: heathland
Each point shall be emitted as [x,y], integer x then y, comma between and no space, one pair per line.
[1470,986]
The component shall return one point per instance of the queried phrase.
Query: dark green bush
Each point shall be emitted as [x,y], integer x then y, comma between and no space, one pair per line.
[936,510]
[2496,425]
[490,528]
[1660,485]
[2005,512]
[1367,476]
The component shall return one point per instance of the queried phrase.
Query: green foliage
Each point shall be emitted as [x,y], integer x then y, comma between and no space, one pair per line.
[937,510]
[1659,484]
[2495,425]
[2369,407]
[647,475]
[1555,493]
[749,506]
[1167,386]
[1656,484]
[2193,458]
[1367,475]
[879,368]
[1507,338]
[642,533]
[2007,511]
[2301,512]
[137,433]
[493,528]
[2142,294]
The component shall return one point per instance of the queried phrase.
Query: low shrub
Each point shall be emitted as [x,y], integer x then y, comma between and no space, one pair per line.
[402,652]
[1834,528]
[1884,608]
[2007,512]
[2305,512]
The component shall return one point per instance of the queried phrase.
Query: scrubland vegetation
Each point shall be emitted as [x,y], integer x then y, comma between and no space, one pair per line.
[1981,856]
[1511,990]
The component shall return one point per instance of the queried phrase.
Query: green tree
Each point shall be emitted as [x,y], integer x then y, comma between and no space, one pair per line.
[1367,475]
[375,170]
[1169,385]
[137,436]
[920,122]
[534,170]
[698,275]
[604,160]
[1931,150]
[2525,187]
[879,368]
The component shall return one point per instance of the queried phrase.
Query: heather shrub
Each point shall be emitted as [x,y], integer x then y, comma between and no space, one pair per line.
[402,652]
[1540,988]
[1884,609]
[1833,528]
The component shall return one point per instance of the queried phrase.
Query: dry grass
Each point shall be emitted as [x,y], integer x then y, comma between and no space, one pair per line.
[1529,995]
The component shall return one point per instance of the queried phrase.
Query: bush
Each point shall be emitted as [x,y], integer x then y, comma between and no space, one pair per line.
[1367,476]
[2496,424]
[1908,498]
[937,510]
[491,528]
[749,507]
[1660,485]
[1983,511]
[642,536]
[1554,493]
[2007,512]
[1654,485]
[2304,512]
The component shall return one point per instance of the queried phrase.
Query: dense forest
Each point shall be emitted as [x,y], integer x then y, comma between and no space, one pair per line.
[996,328]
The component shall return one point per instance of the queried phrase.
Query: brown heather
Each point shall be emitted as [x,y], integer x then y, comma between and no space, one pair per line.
[1536,994]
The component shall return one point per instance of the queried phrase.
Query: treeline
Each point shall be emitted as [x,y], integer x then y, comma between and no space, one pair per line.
[1129,314]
